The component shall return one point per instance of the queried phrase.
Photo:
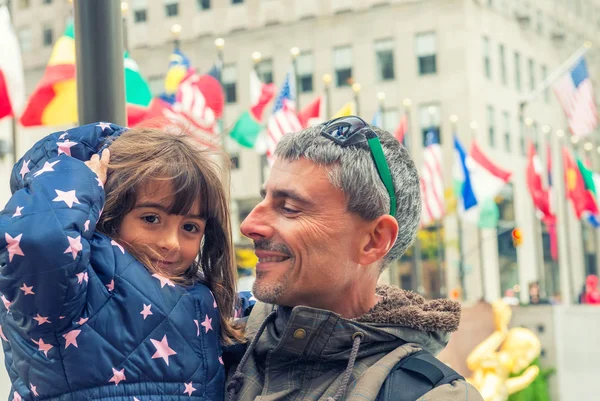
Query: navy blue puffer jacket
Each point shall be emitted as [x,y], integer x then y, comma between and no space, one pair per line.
[81,318]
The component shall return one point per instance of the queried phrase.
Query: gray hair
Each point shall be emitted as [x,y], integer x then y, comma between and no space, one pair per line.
[353,170]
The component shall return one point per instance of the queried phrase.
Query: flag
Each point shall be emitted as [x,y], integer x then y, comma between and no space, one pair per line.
[54,101]
[432,180]
[311,114]
[377,120]
[401,129]
[247,127]
[179,66]
[591,214]
[539,194]
[576,96]
[551,221]
[284,119]
[346,110]
[12,81]
[581,199]
[477,179]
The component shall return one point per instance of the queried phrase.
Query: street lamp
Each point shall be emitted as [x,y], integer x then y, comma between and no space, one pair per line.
[473,125]
[176,33]
[529,121]
[560,133]
[588,146]
[407,103]
[574,140]
[546,129]
[453,118]
[256,57]
[356,89]
[380,103]
[220,45]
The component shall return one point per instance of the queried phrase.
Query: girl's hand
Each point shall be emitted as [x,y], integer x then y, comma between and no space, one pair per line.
[99,165]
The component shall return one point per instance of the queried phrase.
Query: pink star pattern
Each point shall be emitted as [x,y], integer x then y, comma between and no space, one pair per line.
[65,147]
[188,389]
[34,389]
[82,320]
[13,246]
[62,136]
[2,336]
[111,285]
[115,243]
[6,302]
[17,397]
[207,323]
[18,211]
[221,360]
[82,276]
[103,125]
[42,346]
[118,376]
[162,349]
[41,319]
[47,167]
[197,328]
[146,311]
[163,280]
[74,246]
[214,300]
[27,290]
[61,317]
[100,184]
[66,196]
[71,338]
[24,168]
[86,226]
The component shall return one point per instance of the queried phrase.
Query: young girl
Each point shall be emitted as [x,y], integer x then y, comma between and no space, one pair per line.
[116,278]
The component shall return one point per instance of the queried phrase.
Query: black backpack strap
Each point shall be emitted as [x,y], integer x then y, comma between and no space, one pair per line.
[414,376]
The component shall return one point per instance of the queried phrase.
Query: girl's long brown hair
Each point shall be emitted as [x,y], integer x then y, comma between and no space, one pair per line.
[143,154]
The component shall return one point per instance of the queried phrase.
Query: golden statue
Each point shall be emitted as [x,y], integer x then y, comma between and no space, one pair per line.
[503,353]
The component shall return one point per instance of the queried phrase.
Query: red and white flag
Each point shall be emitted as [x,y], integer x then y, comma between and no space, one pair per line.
[311,114]
[576,96]
[12,81]
[401,129]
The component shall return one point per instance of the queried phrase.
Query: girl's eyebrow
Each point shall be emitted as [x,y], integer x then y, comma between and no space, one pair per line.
[162,208]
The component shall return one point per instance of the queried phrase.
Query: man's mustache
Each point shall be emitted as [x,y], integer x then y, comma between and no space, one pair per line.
[269,245]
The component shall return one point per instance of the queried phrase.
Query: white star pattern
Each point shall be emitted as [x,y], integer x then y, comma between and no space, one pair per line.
[214,300]
[103,125]
[115,243]
[163,280]
[86,226]
[207,324]
[74,246]
[221,360]
[62,136]
[146,311]
[24,168]
[118,376]
[188,389]
[162,349]
[68,197]
[46,168]
[65,147]
[18,211]
[197,328]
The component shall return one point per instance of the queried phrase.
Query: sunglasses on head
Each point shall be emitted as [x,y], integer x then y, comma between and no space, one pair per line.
[352,130]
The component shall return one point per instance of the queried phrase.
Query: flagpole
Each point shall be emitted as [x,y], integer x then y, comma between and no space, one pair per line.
[556,74]
[295,52]
[381,108]
[417,262]
[13,124]
[256,58]
[327,81]
[220,45]
[356,89]
[473,127]
[591,155]
[461,253]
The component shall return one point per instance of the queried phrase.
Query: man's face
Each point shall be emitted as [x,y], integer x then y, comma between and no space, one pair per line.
[306,241]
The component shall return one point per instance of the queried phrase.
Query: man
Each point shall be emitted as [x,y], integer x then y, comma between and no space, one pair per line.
[341,203]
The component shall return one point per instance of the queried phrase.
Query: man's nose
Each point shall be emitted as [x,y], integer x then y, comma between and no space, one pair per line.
[258,224]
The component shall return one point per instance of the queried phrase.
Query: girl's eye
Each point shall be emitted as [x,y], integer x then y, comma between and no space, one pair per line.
[192,228]
[151,219]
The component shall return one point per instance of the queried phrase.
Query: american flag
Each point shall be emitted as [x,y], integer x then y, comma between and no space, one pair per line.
[432,180]
[576,96]
[284,118]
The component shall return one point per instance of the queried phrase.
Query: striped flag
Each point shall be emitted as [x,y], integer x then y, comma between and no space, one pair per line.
[284,119]
[576,96]
[432,180]
[401,129]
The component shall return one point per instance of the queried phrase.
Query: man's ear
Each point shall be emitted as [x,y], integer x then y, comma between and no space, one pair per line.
[380,238]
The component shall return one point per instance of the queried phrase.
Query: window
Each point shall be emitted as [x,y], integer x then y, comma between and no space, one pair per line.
[502,57]
[426,53]
[531,74]
[429,121]
[384,54]
[235,161]
[546,91]
[518,71]
[506,118]
[24,3]
[203,4]
[540,22]
[48,37]
[237,1]
[47,1]
[491,126]
[305,66]
[140,11]
[342,63]
[229,83]
[487,62]
[25,40]
[490,3]
[264,69]
[171,8]
[522,135]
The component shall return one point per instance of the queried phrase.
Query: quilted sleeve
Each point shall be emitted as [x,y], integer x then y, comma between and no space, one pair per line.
[45,231]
